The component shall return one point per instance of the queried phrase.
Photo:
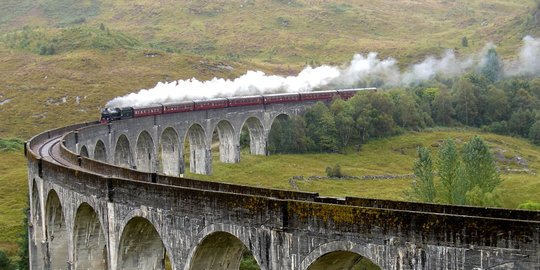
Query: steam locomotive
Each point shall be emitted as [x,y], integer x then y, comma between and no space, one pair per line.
[112,114]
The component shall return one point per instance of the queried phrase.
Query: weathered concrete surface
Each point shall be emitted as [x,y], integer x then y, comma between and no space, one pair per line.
[89,214]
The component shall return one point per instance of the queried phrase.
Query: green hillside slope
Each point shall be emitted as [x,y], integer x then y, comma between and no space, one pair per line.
[71,57]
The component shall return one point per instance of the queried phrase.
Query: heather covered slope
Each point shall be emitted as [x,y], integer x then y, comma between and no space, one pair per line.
[71,57]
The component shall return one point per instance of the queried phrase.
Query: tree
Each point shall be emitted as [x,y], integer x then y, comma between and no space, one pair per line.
[448,164]
[442,109]
[520,122]
[534,133]
[466,100]
[491,68]
[344,121]
[497,106]
[423,188]
[480,172]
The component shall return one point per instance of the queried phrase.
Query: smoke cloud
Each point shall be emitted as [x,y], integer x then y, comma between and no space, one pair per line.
[528,63]
[368,70]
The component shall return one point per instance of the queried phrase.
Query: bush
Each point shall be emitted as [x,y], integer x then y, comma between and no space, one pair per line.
[5,262]
[334,172]
[530,205]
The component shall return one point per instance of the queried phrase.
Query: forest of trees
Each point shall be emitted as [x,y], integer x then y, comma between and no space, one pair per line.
[506,107]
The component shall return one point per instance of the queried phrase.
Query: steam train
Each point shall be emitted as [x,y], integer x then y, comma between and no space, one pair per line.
[112,114]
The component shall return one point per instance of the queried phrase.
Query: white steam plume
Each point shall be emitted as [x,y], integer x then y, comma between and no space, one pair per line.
[528,63]
[363,70]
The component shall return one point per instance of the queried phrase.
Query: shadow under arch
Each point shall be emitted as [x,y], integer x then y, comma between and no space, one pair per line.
[283,135]
[141,246]
[338,255]
[122,152]
[170,154]
[37,229]
[57,234]
[84,151]
[144,152]
[219,250]
[100,152]
[229,146]
[89,241]
[200,161]
[257,136]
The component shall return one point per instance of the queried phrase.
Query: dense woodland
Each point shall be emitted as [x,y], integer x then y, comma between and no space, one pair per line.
[480,99]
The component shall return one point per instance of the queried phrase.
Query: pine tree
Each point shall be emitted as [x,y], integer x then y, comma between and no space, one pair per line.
[448,164]
[480,172]
[492,66]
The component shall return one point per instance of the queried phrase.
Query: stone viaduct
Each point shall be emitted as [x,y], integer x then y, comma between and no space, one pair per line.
[110,197]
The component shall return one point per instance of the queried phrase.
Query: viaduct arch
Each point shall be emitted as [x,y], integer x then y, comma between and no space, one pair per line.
[123,207]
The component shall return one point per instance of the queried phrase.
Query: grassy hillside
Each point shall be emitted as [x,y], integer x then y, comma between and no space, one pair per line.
[384,157]
[71,57]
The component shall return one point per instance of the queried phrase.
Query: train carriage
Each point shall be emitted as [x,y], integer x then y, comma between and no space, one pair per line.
[217,103]
[153,109]
[245,101]
[281,98]
[318,95]
[185,106]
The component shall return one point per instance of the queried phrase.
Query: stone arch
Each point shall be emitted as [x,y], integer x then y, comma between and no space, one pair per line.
[37,229]
[141,246]
[57,234]
[257,136]
[229,146]
[339,255]
[122,152]
[280,135]
[100,152]
[219,250]
[84,151]
[199,155]
[144,152]
[170,152]
[89,240]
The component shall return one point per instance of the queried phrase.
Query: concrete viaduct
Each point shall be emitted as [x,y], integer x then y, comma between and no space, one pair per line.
[110,197]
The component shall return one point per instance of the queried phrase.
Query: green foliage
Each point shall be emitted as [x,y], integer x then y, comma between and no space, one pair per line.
[467,179]
[334,172]
[24,256]
[534,133]
[248,262]
[423,187]
[464,42]
[5,261]
[480,172]
[44,42]
[492,67]
[453,189]
[7,145]
[530,205]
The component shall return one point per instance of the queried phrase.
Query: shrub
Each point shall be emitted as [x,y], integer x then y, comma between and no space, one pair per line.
[530,205]
[334,172]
